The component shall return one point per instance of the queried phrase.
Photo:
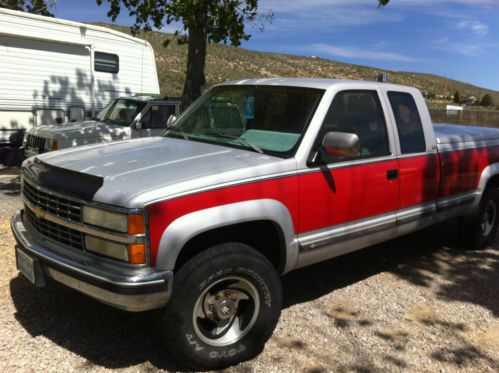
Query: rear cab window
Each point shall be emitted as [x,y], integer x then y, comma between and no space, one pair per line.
[408,121]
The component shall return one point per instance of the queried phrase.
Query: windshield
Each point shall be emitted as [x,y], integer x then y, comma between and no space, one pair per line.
[261,118]
[121,112]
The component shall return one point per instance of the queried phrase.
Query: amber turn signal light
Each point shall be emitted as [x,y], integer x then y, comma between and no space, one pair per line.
[136,224]
[137,253]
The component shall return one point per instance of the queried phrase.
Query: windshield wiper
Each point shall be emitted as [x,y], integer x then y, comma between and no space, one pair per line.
[241,140]
[179,131]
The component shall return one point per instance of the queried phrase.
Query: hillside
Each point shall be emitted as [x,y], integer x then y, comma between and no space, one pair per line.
[227,63]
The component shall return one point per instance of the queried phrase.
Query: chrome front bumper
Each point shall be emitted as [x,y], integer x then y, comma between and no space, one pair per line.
[132,291]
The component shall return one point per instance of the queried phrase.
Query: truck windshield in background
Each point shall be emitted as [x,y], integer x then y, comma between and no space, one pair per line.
[121,112]
[266,118]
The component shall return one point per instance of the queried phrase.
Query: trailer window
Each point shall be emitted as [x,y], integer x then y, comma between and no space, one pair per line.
[106,62]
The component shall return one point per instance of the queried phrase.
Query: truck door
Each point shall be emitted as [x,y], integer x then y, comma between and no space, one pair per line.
[419,167]
[154,120]
[347,197]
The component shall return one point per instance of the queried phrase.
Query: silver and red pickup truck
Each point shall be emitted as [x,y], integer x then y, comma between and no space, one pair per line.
[255,179]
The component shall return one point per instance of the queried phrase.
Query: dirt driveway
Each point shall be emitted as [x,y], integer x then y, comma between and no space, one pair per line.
[412,304]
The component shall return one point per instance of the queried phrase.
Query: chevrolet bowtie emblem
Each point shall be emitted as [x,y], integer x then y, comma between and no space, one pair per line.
[39,213]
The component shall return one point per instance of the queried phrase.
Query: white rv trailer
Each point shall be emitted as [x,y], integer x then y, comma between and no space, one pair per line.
[53,70]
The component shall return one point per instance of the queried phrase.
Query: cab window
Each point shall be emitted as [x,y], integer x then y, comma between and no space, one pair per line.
[157,116]
[409,126]
[358,112]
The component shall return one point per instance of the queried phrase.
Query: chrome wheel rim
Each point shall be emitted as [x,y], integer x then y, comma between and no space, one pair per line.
[226,311]
[488,218]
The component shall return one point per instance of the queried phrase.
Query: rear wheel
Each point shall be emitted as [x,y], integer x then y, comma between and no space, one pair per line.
[225,305]
[479,228]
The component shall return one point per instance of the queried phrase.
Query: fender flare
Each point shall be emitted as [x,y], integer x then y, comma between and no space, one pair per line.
[488,173]
[181,230]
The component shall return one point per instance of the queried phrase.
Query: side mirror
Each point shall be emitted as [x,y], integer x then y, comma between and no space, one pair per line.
[340,144]
[171,119]
[138,125]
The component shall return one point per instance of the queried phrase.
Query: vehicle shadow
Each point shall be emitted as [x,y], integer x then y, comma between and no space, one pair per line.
[114,339]
[104,336]
[470,276]
[10,181]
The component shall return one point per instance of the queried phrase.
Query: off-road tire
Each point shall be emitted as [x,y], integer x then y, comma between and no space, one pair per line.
[219,265]
[471,227]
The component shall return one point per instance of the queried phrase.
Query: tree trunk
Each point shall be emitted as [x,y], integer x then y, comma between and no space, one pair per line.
[196,58]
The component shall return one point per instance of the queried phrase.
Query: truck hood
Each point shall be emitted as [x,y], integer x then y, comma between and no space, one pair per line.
[139,172]
[72,130]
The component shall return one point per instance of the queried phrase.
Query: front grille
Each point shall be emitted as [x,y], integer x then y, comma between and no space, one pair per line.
[54,231]
[55,205]
[35,142]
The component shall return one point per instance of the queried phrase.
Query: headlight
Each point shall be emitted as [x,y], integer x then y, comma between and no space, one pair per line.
[108,248]
[132,224]
[105,219]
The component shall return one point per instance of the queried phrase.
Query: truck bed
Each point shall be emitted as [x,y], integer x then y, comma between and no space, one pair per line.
[457,134]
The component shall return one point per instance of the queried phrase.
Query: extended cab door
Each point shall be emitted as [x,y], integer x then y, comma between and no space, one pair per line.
[153,122]
[419,165]
[343,198]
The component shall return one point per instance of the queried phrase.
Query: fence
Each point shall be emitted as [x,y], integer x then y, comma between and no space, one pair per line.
[467,117]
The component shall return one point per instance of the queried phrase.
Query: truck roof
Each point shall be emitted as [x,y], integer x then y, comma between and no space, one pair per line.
[318,83]
[149,98]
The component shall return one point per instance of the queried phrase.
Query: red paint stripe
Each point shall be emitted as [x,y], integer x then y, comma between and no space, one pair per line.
[318,200]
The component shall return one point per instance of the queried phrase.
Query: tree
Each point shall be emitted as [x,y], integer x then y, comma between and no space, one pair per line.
[487,100]
[202,21]
[457,98]
[41,7]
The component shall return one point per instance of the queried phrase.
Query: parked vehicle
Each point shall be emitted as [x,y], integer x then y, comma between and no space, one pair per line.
[124,118]
[204,221]
[55,70]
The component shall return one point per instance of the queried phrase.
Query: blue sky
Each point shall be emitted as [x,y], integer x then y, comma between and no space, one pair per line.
[458,39]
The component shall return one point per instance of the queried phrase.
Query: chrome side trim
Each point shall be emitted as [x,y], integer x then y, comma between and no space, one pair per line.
[346,164]
[415,213]
[361,241]
[347,231]
[458,200]
[97,232]
[417,155]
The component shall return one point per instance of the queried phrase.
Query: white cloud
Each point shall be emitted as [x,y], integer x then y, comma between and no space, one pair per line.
[477,27]
[353,52]
[317,14]
[458,47]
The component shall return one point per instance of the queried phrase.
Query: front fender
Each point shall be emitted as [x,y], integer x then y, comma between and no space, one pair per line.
[181,230]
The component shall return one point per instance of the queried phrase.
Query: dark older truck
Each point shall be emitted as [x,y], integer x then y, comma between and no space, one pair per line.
[255,179]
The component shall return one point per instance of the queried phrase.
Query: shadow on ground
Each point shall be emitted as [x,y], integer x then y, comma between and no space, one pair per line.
[10,181]
[471,276]
[110,338]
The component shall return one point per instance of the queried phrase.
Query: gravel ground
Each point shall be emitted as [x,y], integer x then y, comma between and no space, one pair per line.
[411,304]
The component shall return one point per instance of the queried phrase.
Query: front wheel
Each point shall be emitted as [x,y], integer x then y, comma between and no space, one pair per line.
[225,305]
[479,228]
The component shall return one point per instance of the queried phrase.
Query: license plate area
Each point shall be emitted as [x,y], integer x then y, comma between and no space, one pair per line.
[30,268]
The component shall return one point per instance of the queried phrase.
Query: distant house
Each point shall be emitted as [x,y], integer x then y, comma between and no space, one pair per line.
[472,100]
